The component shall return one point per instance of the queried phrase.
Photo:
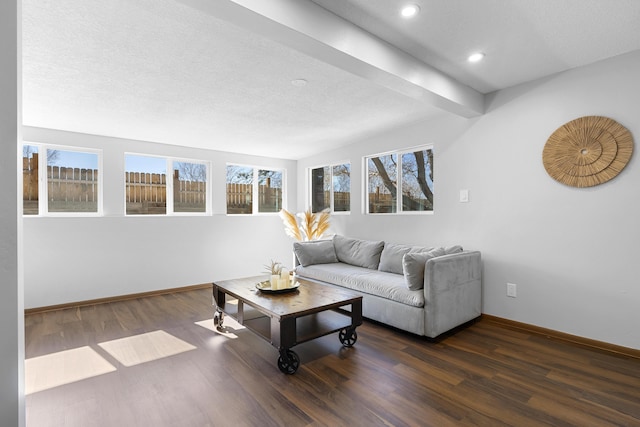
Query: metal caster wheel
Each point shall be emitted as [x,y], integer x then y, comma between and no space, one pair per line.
[290,363]
[348,337]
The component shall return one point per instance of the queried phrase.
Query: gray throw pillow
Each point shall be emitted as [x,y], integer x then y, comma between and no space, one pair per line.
[391,257]
[315,252]
[361,253]
[413,264]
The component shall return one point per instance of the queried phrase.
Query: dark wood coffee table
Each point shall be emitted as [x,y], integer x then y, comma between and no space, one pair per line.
[287,319]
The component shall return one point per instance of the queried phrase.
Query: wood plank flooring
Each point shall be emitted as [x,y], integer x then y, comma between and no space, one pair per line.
[484,374]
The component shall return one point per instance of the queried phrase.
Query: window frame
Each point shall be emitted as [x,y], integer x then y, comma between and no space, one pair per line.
[43,180]
[169,199]
[399,205]
[309,186]
[255,189]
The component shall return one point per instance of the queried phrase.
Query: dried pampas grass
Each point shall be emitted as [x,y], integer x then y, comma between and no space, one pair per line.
[312,226]
[307,225]
[290,224]
[322,223]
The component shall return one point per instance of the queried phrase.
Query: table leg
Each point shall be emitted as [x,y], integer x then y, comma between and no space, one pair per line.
[218,305]
[356,314]
[283,337]
[348,336]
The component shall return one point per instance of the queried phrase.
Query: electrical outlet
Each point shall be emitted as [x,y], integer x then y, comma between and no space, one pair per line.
[511,290]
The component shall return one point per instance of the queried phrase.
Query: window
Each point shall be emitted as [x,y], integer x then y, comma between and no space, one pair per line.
[408,174]
[331,188]
[239,189]
[148,192]
[146,185]
[30,180]
[269,190]
[189,187]
[245,184]
[71,181]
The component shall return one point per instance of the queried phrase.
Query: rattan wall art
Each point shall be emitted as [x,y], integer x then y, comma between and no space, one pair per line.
[587,151]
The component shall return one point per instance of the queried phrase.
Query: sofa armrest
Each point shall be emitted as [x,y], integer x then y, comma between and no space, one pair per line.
[452,290]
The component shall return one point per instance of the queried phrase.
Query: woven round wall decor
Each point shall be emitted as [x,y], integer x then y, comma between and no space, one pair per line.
[587,151]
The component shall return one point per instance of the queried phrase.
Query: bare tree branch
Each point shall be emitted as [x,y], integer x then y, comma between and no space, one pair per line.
[192,171]
[384,176]
[422,180]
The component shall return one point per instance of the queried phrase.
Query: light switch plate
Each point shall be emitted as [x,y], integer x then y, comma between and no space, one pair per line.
[464,196]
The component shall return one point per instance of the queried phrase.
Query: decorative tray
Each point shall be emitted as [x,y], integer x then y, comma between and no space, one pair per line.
[266,287]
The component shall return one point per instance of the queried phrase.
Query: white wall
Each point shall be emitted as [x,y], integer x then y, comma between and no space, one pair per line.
[84,258]
[570,251]
[11,305]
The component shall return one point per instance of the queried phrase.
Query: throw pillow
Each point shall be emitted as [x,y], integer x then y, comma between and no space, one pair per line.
[391,257]
[413,264]
[361,253]
[315,252]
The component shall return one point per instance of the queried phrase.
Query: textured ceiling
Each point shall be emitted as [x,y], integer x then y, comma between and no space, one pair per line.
[523,39]
[162,71]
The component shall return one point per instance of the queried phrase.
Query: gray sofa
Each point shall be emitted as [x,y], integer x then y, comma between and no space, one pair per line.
[426,291]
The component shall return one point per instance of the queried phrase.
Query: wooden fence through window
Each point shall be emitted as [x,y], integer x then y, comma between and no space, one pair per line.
[240,198]
[341,201]
[70,189]
[146,193]
[30,184]
[381,202]
[188,196]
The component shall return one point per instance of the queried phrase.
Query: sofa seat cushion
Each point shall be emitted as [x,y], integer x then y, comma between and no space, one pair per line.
[386,285]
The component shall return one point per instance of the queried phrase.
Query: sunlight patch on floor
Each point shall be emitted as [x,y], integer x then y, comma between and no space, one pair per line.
[229,325]
[64,367]
[146,347]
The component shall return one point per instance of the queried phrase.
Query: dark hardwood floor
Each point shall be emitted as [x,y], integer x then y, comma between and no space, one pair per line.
[484,374]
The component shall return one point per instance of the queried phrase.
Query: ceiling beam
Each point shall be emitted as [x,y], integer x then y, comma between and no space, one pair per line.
[313,30]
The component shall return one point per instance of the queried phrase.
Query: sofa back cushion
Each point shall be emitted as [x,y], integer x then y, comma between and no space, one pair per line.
[361,253]
[413,264]
[391,256]
[315,252]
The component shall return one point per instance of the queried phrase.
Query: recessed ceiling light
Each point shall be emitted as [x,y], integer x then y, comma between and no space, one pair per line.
[410,10]
[299,82]
[475,57]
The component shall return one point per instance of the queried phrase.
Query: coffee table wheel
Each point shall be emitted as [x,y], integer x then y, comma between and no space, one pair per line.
[218,318]
[348,337]
[290,363]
